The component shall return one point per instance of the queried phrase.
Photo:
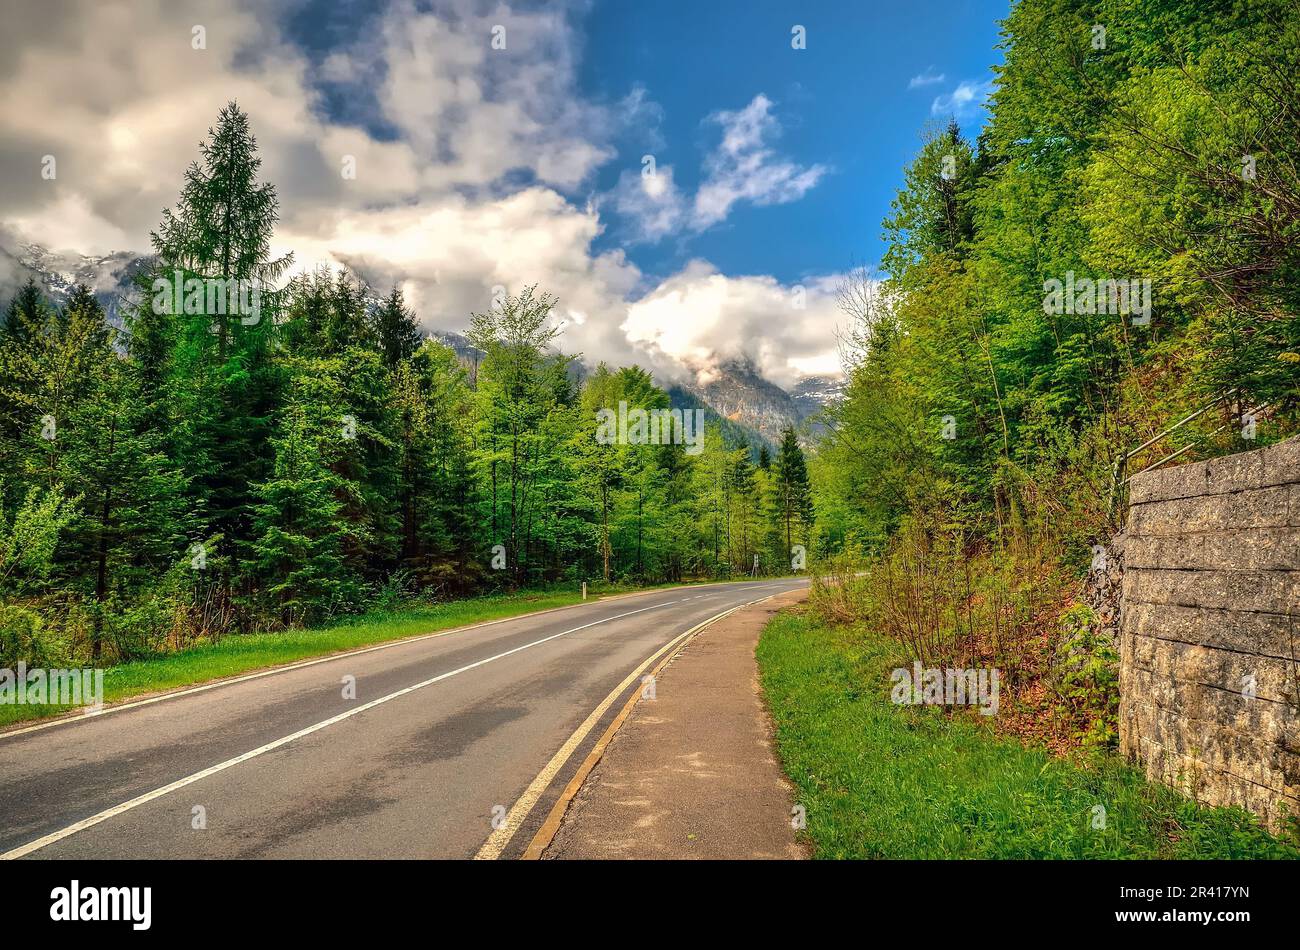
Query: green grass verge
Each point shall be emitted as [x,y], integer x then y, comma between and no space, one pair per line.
[245,653]
[885,781]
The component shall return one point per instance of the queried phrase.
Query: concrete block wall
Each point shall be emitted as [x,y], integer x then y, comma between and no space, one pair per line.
[1210,629]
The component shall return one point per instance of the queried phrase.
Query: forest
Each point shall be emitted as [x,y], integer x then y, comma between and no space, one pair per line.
[1116,251]
[251,451]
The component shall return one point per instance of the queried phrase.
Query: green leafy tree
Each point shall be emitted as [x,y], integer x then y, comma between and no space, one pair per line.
[524,406]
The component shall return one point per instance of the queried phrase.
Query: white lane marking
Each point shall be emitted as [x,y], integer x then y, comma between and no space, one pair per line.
[173,694]
[126,806]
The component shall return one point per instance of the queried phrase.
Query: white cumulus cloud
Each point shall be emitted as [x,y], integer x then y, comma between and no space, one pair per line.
[745,168]
[700,318]
[964,101]
[473,181]
[927,78]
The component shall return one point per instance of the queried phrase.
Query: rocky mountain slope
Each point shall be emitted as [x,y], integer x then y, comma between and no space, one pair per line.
[110,276]
[734,391]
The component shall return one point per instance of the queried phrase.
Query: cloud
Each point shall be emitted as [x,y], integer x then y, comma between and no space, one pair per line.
[743,168]
[927,78]
[468,161]
[483,112]
[117,94]
[639,114]
[651,201]
[964,101]
[699,318]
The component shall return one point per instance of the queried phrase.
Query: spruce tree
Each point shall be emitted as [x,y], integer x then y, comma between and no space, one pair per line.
[134,521]
[26,314]
[301,536]
[397,330]
[793,492]
[214,374]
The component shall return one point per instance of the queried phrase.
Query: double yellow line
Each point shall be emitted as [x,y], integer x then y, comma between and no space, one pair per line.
[518,814]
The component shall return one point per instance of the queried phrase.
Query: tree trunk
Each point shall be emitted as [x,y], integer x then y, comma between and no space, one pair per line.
[101,566]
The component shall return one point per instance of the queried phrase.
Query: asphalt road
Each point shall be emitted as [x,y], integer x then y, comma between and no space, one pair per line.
[430,759]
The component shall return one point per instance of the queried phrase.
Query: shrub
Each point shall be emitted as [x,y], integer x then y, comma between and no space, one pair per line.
[959,601]
[1085,679]
[25,636]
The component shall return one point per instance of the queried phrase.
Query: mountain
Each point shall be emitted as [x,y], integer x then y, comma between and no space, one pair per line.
[110,276]
[751,407]
[812,394]
[466,350]
[738,393]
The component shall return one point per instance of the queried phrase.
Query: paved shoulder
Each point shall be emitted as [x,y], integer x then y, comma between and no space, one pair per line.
[693,772]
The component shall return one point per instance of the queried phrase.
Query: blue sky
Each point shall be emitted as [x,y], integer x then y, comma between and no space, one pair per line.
[855,100]
[844,102]
[409,145]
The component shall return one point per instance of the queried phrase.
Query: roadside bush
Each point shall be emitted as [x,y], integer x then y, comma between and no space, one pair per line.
[29,538]
[25,635]
[164,617]
[395,590]
[959,601]
[1085,680]
[839,588]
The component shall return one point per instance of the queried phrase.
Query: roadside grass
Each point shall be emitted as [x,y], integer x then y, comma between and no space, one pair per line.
[879,780]
[245,653]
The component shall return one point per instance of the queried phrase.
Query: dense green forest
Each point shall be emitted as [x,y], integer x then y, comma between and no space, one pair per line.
[1009,357]
[279,451]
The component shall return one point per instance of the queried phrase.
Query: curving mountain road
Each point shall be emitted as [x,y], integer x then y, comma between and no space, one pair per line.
[454,746]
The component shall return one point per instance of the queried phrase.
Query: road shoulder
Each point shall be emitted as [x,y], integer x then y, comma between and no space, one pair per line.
[692,772]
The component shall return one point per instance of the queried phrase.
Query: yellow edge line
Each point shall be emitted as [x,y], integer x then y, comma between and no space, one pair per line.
[501,837]
[546,834]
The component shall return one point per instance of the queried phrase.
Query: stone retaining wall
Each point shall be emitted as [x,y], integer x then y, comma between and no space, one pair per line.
[1210,629]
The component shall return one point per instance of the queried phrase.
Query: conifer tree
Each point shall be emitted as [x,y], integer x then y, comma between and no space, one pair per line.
[397,330]
[134,519]
[300,533]
[225,219]
[793,492]
[211,375]
[26,314]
